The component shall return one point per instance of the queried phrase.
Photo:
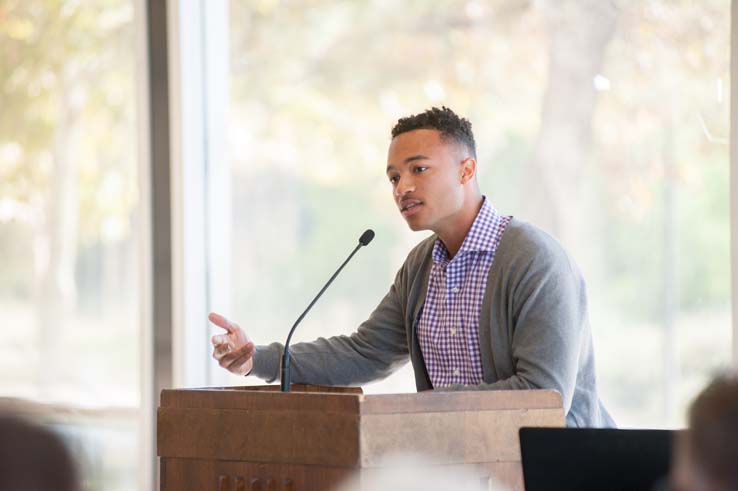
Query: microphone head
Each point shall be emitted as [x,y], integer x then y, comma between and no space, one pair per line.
[366,237]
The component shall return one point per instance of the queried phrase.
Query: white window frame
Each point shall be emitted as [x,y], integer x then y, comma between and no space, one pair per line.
[734,173]
[201,203]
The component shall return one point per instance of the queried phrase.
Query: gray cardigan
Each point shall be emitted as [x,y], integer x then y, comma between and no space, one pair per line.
[534,330]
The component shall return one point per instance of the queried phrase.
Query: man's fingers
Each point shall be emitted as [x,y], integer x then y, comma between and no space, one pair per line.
[223,349]
[240,360]
[221,321]
[219,339]
[227,358]
[220,350]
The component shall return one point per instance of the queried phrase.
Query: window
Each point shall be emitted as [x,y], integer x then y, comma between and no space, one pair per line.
[69,210]
[607,127]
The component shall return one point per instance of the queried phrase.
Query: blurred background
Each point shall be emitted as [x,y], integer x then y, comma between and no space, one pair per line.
[604,122]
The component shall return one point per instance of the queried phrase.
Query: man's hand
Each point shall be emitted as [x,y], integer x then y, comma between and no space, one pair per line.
[233,349]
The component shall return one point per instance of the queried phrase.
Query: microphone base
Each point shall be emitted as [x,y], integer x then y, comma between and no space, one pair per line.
[285,375]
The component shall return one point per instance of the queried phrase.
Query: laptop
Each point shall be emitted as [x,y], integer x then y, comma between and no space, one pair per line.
[595,459]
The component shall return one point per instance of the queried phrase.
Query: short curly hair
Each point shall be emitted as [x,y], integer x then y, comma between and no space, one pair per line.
[451,126]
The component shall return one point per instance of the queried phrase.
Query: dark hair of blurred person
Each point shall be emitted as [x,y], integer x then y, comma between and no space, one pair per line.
[707,452]
[32,458]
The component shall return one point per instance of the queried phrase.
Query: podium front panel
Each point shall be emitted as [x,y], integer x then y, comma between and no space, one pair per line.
[243,439]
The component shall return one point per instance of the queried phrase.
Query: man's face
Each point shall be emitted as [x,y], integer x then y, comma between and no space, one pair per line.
[427,179]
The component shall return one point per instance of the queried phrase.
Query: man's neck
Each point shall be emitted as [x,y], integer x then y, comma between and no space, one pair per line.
[454,236]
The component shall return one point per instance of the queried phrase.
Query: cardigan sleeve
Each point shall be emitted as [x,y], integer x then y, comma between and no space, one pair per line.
[374,351]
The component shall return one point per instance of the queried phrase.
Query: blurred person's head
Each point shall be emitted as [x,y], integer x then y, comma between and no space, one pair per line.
[33,458]
[707,452]
[410,472]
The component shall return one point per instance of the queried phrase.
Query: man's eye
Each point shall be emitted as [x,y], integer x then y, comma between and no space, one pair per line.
[394,179]
[420,168]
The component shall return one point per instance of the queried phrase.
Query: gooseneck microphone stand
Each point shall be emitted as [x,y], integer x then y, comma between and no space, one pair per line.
[365,238]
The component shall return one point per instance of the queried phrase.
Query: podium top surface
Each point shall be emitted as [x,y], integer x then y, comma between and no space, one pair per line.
[347,400]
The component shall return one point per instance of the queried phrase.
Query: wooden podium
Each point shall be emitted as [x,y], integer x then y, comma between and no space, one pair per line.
[314,438]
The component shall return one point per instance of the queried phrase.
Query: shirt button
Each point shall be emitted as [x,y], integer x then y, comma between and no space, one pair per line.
[453,331]
[455,289]
[456,372]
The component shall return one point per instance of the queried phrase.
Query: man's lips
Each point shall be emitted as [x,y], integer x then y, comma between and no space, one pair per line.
[410,207]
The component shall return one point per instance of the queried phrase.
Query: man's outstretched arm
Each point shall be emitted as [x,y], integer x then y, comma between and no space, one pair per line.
[374,351]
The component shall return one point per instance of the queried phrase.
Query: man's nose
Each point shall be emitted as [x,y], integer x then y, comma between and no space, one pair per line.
[405,186]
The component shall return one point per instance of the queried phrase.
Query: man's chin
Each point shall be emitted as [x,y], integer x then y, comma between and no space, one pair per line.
[415,225]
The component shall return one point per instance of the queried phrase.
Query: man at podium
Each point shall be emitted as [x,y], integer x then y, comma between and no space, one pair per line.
[488,302]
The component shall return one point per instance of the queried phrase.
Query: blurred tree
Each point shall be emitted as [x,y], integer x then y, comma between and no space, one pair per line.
[578,34]
[61,139]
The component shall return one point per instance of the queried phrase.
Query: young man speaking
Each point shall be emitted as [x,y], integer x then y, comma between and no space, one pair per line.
[486,303]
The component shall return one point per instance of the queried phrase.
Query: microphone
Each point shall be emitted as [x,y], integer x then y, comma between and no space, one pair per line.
[365,238]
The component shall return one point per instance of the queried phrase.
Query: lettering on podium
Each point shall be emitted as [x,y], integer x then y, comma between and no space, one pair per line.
[254,484]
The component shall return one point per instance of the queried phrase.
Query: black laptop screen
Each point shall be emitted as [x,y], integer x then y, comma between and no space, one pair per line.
[595,459]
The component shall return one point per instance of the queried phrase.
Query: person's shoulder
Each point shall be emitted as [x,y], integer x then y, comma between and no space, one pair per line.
[521,233]
[523,241]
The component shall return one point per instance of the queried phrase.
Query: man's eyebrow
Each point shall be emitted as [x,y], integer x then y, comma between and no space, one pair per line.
[408,160]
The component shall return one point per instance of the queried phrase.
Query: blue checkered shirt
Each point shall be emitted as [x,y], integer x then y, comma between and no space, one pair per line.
[448,329]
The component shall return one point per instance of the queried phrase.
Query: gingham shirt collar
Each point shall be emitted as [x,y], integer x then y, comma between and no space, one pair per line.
[483,236]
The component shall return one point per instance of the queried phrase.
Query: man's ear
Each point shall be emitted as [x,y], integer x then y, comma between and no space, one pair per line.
[468,169]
